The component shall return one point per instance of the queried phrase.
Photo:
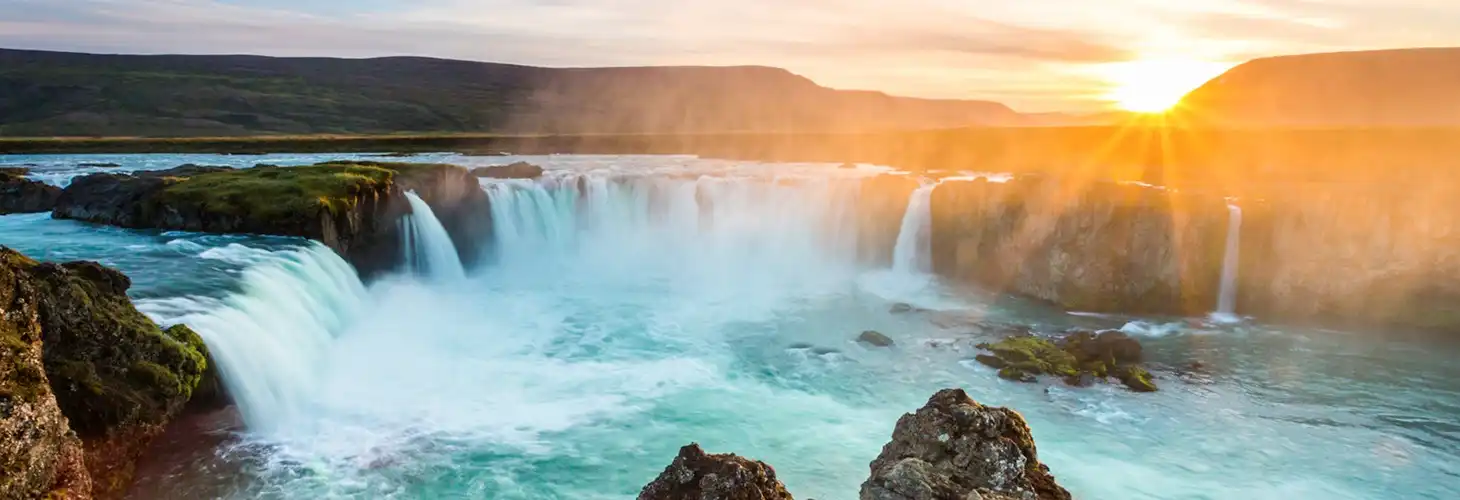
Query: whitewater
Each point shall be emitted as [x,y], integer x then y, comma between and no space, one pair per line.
[630,305]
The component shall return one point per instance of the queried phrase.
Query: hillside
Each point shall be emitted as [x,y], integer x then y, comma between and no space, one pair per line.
[55,93]
[1410,87]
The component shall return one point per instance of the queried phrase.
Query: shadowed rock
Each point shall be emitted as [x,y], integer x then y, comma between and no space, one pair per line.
[954,448]
[696,475]
[19,195]
[519,170]
[875,339]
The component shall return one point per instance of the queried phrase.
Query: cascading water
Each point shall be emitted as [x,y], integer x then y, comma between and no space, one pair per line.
[1231,261]
[913,251]
[269,338]
[430,250]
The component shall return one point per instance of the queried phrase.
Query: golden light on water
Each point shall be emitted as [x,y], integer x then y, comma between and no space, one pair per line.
[1156,85]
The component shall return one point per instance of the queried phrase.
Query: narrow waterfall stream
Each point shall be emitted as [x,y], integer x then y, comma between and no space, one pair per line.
[1231,261]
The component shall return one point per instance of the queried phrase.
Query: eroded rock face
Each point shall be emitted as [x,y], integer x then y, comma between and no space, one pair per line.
[1086,246]
[880,208]
[518,170]
[19,195]
[39,455]
[955,448]
[696,475]
[116,376]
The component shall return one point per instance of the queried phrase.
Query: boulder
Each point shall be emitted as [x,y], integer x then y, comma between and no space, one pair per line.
[696,475]
[39,455]
[20,195]
[875,339]
[116,375]
[518,170]
[1080,358]
[957,449]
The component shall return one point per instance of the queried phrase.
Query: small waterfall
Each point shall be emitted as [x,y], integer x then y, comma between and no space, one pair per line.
[431,251]
[913,253]
[1227,299]
[268,339]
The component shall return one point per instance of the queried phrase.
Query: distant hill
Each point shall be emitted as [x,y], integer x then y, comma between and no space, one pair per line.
[56,93]
[1409,87]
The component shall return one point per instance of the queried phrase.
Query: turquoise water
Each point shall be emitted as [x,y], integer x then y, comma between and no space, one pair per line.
[657,307]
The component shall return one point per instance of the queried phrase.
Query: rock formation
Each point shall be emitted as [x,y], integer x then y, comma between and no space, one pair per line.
[350,206]
[40,457]
[875,339]
[955,448]
[19,195]
[880,207]
[1079,358]
[696,475]
[1086,246]
[518,170]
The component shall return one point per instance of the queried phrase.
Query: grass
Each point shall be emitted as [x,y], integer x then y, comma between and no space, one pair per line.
[269,192]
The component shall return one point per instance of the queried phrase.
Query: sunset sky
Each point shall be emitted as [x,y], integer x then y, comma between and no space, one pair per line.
[1035,55]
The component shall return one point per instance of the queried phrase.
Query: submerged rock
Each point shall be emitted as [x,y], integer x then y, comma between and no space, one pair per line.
[98,165]
[19,195]
[696,475]
[39,455]
[875,338]
[956,449]
[518,170]
[1079,359]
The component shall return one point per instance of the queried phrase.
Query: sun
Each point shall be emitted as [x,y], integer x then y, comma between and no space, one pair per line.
[1157,85]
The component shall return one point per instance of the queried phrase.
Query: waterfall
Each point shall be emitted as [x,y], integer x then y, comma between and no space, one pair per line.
[1227,298]
[913,253]
[431,251]
[268,338]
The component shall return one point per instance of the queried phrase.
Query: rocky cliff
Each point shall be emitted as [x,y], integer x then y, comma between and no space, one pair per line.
[352,207]
[39,454]
[1353,257]
[880,208]
[1087,246]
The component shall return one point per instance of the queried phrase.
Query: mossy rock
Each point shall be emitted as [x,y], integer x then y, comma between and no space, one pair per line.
[1135,378]
[1033,355]
[109,365]
[1079,359]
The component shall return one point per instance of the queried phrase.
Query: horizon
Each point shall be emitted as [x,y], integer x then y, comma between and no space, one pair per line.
[1069,57]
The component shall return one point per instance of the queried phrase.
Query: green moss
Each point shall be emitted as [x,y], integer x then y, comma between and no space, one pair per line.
[1034,355]
[1136,378]
[269,192]
[159,377]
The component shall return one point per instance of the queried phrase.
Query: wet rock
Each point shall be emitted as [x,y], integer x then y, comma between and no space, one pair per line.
[876,339]
[398,154]
[1080,358]
[19,195]
[98,165]
[1135,378]
[16,171]
[799,345]
[518,170]
[956,449]
[696,475]
[904,308]
[823,351]
[39,455]
[1080,380]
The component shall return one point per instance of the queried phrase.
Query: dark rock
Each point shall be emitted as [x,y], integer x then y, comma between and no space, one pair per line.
[822,351]
[98,165]
[20,195]
[518,170]
[994,362]
[876,339]
[800,345]
[956,449]
[16,171]
[116,375]
[398,154]
[1080,358]
[39,455]
[1135,378]
[1081,380]
[696,475]
[902,308]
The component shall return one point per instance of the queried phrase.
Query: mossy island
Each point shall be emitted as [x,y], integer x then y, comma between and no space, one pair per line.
[1079,358]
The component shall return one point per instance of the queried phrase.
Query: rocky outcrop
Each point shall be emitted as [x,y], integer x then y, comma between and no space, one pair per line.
[1365,257]
[696,475]
[19,195]
[1087,246]
[517,170]
[40,457]
[955,448]
[880,208]
[352,207]
[116,375]
[1080,358]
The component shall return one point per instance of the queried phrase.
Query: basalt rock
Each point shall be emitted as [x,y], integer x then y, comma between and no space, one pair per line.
[1085,246]
[696,475]
[40,457]
[1079,358]
[518,170]
[20,195]
[116,375]
[352,207]
[956,449]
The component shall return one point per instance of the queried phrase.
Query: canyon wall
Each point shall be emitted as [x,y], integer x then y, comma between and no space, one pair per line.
[1085,246]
